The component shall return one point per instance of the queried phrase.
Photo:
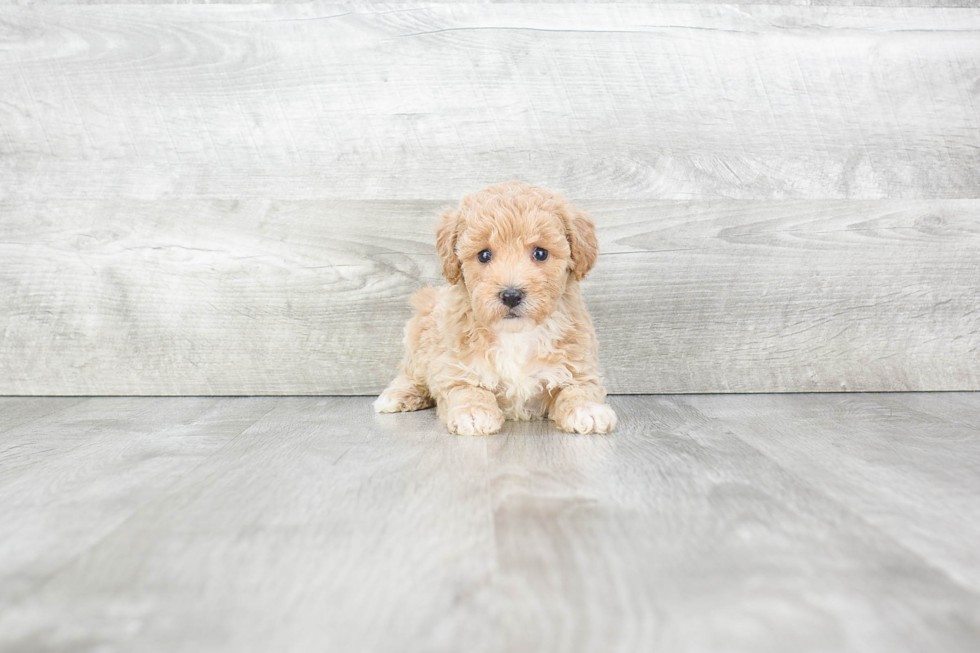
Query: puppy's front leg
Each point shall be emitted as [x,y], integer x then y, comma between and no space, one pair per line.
[582,409]
[469,410]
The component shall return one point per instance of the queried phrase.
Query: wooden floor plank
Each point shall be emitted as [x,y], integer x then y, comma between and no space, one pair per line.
[68,481]
[954,408]
[322,526]
[911,473]
[696,541]
[18,411]
[317,528]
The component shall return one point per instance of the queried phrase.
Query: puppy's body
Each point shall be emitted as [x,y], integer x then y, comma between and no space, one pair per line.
[482,357]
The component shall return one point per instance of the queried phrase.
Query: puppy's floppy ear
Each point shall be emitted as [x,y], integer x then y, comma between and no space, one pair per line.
[584,244]
[446,235]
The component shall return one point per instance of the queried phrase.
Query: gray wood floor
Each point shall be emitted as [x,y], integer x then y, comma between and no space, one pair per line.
[705,523]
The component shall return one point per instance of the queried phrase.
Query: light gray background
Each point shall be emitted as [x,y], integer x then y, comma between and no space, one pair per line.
[239,199]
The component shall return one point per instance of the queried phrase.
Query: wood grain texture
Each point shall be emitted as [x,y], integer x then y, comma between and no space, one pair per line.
[237,199]
[20,411]
[277,297]
[315,101]
[291,524]
[69,479]
[257,547]
[926,448]
[695,540]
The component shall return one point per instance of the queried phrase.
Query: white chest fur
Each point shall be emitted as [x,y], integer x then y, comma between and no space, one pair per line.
[523,373]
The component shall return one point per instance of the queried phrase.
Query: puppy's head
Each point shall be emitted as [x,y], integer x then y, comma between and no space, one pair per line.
[515,247]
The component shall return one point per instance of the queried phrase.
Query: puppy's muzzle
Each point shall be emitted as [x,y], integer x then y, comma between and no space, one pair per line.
[512,297]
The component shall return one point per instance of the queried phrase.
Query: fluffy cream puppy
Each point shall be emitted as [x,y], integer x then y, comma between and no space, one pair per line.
[509,338]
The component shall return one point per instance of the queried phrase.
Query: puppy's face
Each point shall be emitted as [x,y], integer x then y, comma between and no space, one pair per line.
[515,247]
[514,267]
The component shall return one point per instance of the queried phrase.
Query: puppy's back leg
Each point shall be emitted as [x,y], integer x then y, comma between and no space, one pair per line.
[402,395]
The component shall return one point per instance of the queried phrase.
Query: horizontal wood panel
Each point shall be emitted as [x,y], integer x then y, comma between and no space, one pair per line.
[300,297]
[237,199]
[315,101]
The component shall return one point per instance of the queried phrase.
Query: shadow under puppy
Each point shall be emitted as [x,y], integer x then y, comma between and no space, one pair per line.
[510,337]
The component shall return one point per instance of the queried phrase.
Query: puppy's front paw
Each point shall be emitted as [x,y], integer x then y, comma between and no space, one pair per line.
[590,417]
[475,421]
[396,399]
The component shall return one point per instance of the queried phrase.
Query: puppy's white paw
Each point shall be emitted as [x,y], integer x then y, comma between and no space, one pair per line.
[590,417]
[398,398]
[475,421]
[388,402]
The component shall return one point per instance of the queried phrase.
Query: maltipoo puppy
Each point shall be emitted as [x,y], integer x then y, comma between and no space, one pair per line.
[509,338]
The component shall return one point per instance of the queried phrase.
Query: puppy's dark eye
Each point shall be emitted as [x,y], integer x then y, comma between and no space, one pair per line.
[539,254]
[484,256]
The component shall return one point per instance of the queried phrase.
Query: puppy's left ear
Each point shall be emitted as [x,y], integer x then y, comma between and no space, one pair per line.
[446,236]
[584,244]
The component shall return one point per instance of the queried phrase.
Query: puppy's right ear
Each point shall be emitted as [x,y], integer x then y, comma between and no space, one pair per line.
[446,236]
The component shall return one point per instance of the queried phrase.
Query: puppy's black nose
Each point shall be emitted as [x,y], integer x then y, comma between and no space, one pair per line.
[512,297]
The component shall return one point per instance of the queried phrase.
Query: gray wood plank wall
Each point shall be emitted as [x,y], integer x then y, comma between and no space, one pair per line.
[238,199]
